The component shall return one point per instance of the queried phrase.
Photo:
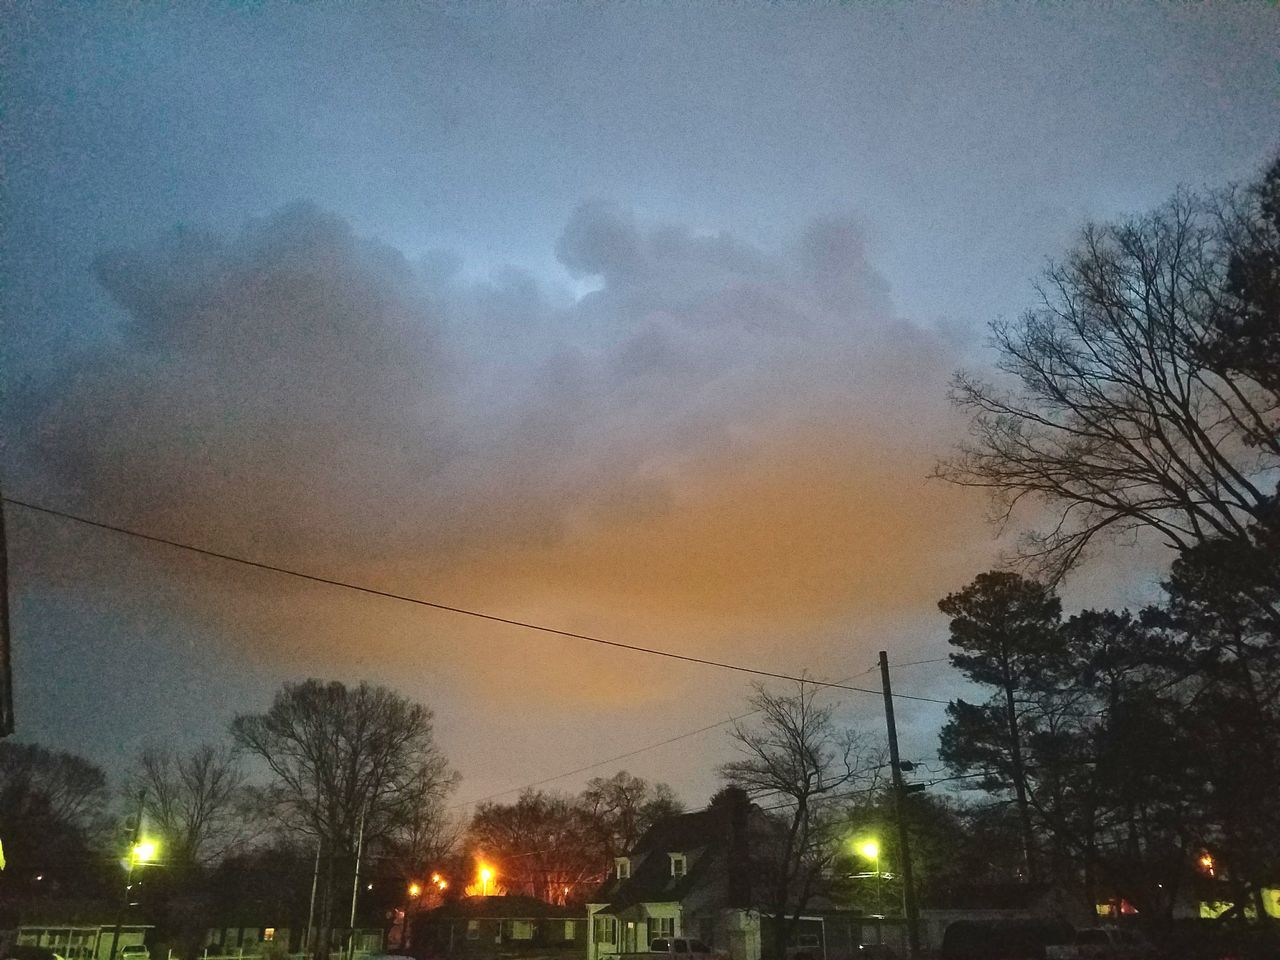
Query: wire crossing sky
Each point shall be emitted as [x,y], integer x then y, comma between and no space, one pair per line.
[625,316]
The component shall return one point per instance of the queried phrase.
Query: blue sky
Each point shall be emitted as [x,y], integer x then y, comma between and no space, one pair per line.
[632,318]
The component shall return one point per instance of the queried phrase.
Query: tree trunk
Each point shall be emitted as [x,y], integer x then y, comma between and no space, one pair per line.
[1019,781]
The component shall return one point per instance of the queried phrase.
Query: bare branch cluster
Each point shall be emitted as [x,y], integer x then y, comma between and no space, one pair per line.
[1121,412]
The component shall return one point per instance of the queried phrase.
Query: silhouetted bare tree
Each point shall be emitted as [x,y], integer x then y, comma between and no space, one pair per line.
[1130,403]
[345,757]
[803,765]
[198,802]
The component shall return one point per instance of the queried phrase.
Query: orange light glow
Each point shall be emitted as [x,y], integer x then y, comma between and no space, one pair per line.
[415,889]
[1206,861]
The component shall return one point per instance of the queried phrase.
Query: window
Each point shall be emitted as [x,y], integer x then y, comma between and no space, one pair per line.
[624,868]
[679,865]
[269,933]
[606,930]
[473,929]
[663,927]
[519,929]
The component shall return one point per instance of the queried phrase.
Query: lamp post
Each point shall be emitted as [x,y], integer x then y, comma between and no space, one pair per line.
[871,850]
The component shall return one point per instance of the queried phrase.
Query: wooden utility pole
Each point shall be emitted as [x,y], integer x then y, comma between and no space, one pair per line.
[899,801]
[6,677]
[355,884]
[134,838]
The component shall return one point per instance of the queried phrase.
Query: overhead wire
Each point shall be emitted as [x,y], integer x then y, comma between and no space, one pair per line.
[627,755]
[448,608]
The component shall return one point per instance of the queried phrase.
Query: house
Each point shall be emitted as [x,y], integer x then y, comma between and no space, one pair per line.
[81,941]
[246,935]
[500,926]
[688,876]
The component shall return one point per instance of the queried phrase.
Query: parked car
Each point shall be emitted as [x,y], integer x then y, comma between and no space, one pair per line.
[1104,943]
[134,951]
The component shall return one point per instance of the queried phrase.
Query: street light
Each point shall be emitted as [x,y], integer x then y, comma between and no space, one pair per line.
[871,850]
[144,851]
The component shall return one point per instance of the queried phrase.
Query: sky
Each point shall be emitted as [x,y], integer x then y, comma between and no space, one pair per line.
[632,319]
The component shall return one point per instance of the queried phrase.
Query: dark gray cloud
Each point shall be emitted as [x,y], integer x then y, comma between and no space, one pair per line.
[696,417]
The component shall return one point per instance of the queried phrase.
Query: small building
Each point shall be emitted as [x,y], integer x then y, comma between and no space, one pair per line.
[500,926]
[249,936]
[996,902]
[81,941]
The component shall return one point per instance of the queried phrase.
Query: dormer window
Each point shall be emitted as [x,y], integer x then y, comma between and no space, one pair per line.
[623,865]
[679,865]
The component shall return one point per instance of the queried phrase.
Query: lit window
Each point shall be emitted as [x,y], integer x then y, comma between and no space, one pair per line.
[664,927]
[269,933]
[570,929]
[520,930]
[624,868]
[679,865]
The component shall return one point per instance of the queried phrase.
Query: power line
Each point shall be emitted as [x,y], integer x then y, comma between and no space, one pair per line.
[916,663]
[448,608]
[628,754]
[602,763]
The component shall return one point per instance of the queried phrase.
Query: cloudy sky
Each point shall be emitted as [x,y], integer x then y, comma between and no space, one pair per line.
[631,319]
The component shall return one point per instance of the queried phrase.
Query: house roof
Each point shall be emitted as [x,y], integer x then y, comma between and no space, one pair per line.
[512,907]
[697,835]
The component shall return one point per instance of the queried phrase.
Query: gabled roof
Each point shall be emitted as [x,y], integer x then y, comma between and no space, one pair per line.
[686,831]
[699,836]
[512,907]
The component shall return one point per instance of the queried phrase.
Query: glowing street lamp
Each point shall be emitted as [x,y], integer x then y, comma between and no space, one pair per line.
[144,851]
[871,850]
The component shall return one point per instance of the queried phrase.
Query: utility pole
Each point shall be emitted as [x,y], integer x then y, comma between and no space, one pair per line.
[899,798]
[128,874]
[6,677]
[311,909]
[355,885]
